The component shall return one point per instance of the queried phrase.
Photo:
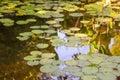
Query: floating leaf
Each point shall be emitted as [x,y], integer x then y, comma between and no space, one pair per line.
[26,34]
[106,76]
[51,22]
[48,68]
[83,63]
[58,15]
[72,69]
[79,74]
[46,61]
[21,22]
[89,70]
[108,64]
[44,26]
[30,58]
[48,55]
[23,38]
[89,77]
[50,31]
[76,14]
[37,31]
[33,63]
[72,62]
[96,60]
[31,20]
[35,53]
[35,27]
[42,45]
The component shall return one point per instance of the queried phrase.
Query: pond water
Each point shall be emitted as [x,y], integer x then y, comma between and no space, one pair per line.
[57,30]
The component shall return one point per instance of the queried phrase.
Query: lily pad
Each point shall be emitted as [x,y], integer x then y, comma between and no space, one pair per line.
[48,55]
[106,76]
[50,31]
[76,14]
[35,53]
[72,62]
[35,27]
[21,22]
[58,15]
[26,34]
[108,64]
[44,26]
[41,45]
[79,74]
[46,61]
[31,20]
[89,70]
[83,63]
[48,68]
[96,60]
[37,31]
[51,22]
[33,63]
[23,38]
[30,58]
[89,77]
[72,69]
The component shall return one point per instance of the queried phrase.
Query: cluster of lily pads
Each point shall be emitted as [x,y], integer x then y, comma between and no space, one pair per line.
[83,67]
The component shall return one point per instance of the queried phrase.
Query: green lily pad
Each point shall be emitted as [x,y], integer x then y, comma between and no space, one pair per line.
[83,57]
[30,58]
[21,22]
[37,31]
[48,55]
[59,73]
[89,70]
[44,26]
[96,60]
[74,29]
[51,22]
[89,77]
[48,68]
[42,45]
[81,35]
[72,62]
[23,38]
[106,76]
[33,63]
[57,25]
[57,42]
[58,15]
[59,19]
[83,63]
[114,59]
[79,74]
[26,34]
[72,69]
[35,27]
[35,53]
[31,20]
[8,24]
[108,64]
[105,70]
[46,61]
[76,14]
[50,31]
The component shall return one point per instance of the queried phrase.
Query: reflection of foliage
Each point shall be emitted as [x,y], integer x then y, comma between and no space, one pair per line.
[116,46]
